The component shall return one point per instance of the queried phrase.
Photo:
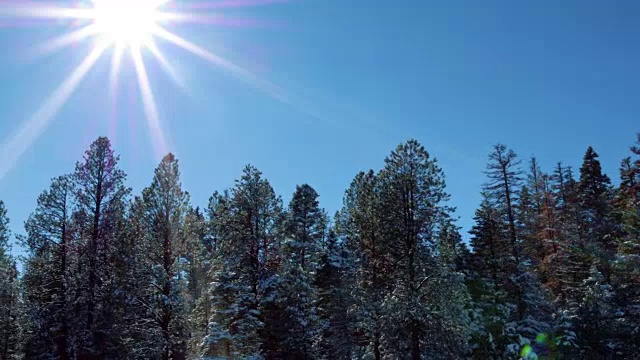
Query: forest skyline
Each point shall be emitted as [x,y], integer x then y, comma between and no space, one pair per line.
[550,272]
[464,207]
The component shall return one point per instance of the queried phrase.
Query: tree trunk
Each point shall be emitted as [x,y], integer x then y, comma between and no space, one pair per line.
[64,332]
[376,346]
[166,291]
[415,340]
[93,254]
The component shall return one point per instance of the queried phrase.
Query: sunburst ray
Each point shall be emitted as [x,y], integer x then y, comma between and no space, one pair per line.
[240,72]
[65,40]
[166,65]
[116,61]
[34,126]
[125,26]
[20,9]
[150,108]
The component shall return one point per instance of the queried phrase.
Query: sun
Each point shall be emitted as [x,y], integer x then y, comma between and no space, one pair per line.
[127,27]
[126,22]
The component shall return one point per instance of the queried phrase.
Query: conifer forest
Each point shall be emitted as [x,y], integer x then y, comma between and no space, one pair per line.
[551,268]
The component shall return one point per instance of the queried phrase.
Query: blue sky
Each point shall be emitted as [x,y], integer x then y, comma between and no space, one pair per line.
[545,77]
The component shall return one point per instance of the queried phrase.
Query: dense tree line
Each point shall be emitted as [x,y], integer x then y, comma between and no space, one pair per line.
[552,270]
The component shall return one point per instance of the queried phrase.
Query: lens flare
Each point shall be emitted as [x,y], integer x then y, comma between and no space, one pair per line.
[34,126]
[124,26]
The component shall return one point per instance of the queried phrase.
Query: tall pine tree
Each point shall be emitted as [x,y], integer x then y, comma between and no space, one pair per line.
[419,320]
[245,319]
[48,268]
[101,197]
[305,228]
[164,208]
[9,294]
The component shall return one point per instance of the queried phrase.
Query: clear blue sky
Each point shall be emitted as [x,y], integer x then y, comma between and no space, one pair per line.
[545,77]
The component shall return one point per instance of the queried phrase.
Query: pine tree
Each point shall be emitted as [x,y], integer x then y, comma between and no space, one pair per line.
[135,316]
[595,193]
[419,319]
[488,273]
[48,269]
[451,248]
[595,328]
[517,309]
[590,256]
[220,294]
[164,207]
[628,203]
[196,260]
[360,226]
[9,294]
[489,256]
[549,235]
[626,270]
[100,199]
[569,261]
[530,215]
[333,301]
[529,222]
[245,316]
[504,181]
[305,229]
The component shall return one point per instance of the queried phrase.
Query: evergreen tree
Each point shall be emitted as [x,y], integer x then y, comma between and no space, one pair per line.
[626,270]
[135,316]
[595,328]
[305,229]
[490,252]
[628,203]
[595,193]
[591,256]
[517,309]
[569,261]
[488,272]
[245,320]
[196,260]
[360,226]
[9,294]
[333,301]
[220,294]
[100,200]
[530,213]
[504,182]
[549,235]
[48,270]
[452,250]
[420,320]
[164,207]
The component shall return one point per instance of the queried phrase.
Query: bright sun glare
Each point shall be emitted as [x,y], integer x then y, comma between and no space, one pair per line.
[126,22]
[119,25]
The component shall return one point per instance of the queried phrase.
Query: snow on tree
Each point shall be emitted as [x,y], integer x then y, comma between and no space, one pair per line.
[305,227]
[48,270]
[248,232]
[360,226]
[100,201]
[335,323]
[552,270]
[9,294]
[164,208]
[420,320]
